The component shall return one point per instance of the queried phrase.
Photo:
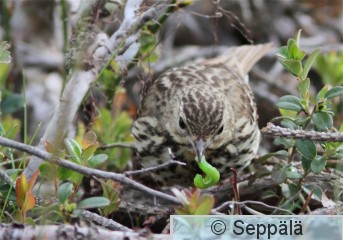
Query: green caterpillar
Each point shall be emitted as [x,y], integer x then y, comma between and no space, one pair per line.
[211,175]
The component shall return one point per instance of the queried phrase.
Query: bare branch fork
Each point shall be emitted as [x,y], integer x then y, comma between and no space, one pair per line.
[273,131]
[85,170]
[81,79]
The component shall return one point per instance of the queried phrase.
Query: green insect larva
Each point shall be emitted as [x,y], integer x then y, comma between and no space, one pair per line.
[212,175]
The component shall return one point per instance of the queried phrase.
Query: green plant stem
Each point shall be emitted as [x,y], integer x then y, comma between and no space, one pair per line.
[35,133]
[25,117]
[6,20]
[170,9]
[64,19]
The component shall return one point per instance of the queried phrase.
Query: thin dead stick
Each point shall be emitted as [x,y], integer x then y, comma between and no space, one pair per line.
[155,168]
[228,203]
[104,222]
[85,170]
[274,131]
[235,190]
[118,145]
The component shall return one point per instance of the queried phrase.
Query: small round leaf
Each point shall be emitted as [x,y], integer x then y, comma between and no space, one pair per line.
[334,92]
[322,121]
[307,148]
[290,102]
[97,160]
[64,191]
[318,164]
[93,202]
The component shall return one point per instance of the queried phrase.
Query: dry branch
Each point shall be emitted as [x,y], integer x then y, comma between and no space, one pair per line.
[85,170]
[52,232]
[104,222]
[273,131]
[81,80]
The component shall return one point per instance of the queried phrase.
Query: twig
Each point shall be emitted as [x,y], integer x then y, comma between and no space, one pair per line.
[81,80]
[155,168]
[66,231]
[236,191]
[273,131]
[85,170]
[228,203]
[252,211]
[117,145]
[104,222]
[305,206]
[7,179]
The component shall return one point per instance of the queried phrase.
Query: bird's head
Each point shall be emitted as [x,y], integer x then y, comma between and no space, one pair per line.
[198,121]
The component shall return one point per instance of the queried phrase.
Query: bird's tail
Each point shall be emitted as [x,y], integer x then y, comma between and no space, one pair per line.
[241,58]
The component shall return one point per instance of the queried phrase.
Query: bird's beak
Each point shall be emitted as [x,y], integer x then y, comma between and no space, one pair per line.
[199,147]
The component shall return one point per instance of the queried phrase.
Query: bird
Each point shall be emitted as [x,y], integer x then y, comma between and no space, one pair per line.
[203,109]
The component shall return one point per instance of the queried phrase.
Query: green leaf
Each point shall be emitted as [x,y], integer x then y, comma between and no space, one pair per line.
[292,48]
[306,163]
[64,173]
[5,55]
[281,154]
[111,208]
[64,191]
[293,66]
[74,149]
[11,103]
[287,123]
[292,173]
[111,192]
[47,171]
[304,103]
[321,94]
[97,160]
[205,205]
[287,143]
[289,190]
[67,174]
[283,52]
[290,102]
[316,190]
[93,202]
[318,164]
[88,152]
[334,92]
[322,121]
[302,121]
[297,37]
[278,173]
[76,178]
[309,63]
[303,87]
[306,147]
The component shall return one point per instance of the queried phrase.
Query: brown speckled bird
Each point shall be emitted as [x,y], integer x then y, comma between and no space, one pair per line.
[200,109]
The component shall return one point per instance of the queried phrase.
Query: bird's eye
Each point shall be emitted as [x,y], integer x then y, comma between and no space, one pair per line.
[182,124]
[220,130]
